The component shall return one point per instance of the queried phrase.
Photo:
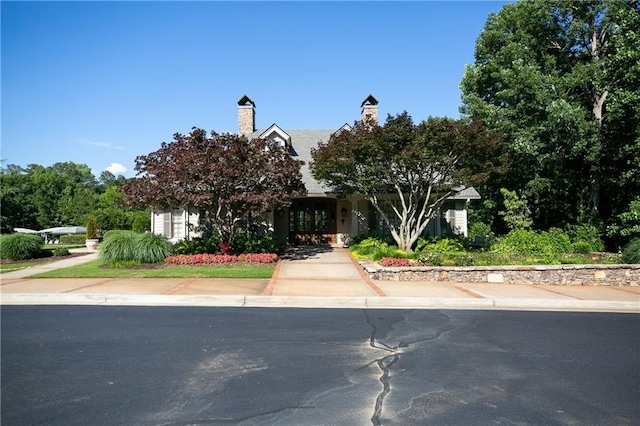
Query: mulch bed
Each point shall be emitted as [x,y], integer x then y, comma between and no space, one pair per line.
[41,259]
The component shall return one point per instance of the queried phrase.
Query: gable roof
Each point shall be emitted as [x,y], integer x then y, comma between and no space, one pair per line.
[301,142]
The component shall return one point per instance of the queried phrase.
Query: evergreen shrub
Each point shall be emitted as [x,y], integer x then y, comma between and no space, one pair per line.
[60,251]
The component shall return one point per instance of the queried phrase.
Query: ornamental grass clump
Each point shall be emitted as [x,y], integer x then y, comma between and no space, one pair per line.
[118,247]
[151,248]
[20,246]
[631,253]
[128,246]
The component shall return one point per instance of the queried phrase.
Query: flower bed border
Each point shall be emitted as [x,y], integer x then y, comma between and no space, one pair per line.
[590,275]
[206,259]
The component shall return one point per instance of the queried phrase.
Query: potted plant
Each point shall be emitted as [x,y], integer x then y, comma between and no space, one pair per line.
[92,235]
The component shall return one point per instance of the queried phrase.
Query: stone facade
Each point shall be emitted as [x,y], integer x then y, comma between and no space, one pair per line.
[246,116]
[591,275]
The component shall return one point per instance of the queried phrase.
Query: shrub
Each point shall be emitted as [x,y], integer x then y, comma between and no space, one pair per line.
[430,258]
[72,239]
[141,224]
[92,228]
[197,245]
[441,245]
[549,244]
[60,251]
[585,238]
[631,253]
[119,246]
[151,248]
[555,242]
[127,246]
[267,243]
[480,236]
[20,246]
[113,232]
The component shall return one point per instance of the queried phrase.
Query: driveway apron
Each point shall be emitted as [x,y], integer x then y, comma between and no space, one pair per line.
[319,271]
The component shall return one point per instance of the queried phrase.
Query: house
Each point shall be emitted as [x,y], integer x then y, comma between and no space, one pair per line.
[322,215]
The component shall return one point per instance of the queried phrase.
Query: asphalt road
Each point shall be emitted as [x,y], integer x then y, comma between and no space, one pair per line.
[91,365]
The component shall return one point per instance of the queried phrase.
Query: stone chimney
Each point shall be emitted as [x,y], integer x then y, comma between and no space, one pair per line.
[369,109]
[246,115]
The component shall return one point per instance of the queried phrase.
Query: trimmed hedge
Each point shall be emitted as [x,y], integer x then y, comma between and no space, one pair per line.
[73,239]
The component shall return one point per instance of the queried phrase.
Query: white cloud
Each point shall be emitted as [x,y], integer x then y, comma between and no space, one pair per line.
[117,169]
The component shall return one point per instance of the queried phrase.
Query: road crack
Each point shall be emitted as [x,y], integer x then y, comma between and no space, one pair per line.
[386,362]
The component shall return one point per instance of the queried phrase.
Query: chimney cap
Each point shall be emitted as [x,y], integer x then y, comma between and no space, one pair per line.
[369,100]
[245,101]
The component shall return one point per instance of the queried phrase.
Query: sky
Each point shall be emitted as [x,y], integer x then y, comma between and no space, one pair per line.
[100,83]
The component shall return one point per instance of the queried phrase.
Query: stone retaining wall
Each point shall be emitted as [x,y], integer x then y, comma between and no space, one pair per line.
[606,275]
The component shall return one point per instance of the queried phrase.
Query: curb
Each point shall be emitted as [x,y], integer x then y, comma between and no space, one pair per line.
[318,302]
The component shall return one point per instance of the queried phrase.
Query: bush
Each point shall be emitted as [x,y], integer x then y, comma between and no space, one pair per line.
[128,246]
[119,246]
[197,245]
[151,248]
[60,251]
[441,245]
[547,244]
[141,223]
[92,229]
[585,238]
[631,253]
[376,249]
[20,246]
[72,239]
[267,243]
[113,232]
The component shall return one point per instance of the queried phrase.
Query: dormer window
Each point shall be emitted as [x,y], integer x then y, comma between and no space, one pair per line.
[278,135]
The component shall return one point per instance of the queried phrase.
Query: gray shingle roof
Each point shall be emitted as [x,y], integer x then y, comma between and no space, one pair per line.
[302,141]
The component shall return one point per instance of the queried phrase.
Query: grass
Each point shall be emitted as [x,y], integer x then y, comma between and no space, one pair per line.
[94,270]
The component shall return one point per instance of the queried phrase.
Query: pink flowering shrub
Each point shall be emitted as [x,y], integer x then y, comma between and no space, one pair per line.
[395,261]
[220,259]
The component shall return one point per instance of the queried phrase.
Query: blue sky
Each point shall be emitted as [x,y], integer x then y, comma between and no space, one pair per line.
[100,83]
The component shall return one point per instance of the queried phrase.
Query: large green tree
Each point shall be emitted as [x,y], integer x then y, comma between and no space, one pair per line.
[560,80]
[407,171]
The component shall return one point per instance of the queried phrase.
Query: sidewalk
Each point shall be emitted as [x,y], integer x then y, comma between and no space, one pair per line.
[307,277]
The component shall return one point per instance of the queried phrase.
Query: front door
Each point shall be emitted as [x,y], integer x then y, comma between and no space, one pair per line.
[313,221]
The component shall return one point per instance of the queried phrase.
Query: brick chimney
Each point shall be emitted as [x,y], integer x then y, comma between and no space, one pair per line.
[246,115]
[369,109]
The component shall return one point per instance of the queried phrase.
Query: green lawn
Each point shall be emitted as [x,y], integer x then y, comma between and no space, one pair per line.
[94,270]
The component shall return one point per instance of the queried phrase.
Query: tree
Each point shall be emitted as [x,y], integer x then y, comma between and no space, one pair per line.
[226,176]
[516,213]
[421,165]
[561,80]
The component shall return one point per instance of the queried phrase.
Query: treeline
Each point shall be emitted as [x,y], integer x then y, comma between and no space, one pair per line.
[561,81]
[64,194]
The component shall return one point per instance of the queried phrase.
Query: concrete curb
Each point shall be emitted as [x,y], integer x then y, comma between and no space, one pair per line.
[319,302]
